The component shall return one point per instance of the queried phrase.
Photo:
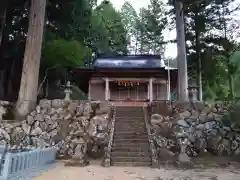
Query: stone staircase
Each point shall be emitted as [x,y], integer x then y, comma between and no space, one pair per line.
[130,141]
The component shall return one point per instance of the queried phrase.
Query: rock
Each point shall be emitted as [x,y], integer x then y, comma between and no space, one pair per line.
[184,158]
[2,112]
[4,135]
[26,127]
[98,127]
[102,108]
[39,117]
[185,114]
[87,109]
[37,131]
[33,113]
[166,155]
[38,109]
[165,129]
[51,111]
[77,163]
[84,121]
[45,104]
[57,103]
[30,119]
[78,155]
[36,124]
[72,108]
[183,123]
[101,121]
[80,109]
[17,135]
[156,119]
[43,126]
[53,133]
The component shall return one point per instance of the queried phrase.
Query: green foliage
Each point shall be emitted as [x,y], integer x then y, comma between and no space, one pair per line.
[69,19]
[235,60]
[78,94]
[107,32]
[213,24]
[145,30]
[65,53]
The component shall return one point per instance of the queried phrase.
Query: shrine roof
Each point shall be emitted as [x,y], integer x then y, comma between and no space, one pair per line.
[131,61]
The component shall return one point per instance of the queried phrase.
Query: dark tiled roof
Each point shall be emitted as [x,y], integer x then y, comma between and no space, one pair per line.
[139,61]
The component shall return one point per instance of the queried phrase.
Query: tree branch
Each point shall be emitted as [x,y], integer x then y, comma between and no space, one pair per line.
[45,77]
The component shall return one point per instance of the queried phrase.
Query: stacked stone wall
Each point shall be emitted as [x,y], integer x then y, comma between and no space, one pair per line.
[201,127]
[68,125]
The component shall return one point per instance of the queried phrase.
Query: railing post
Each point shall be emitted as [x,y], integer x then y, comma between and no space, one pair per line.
[6,166]
[150,90]
[106,89]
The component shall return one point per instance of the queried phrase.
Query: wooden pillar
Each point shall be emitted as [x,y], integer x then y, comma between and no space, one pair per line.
[89,90]
[150,89]
[106,89]
[168,91]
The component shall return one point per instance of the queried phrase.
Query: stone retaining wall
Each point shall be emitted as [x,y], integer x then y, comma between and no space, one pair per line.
[81,128]
[68,125]
[201,126]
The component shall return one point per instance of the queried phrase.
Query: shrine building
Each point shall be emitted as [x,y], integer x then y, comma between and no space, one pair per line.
[140,78]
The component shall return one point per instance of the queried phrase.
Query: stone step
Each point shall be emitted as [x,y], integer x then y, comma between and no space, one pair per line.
[130,159]
[130,129]
[129,149]
[131,154]
[132,121]
[129,111]
[130,133]
[129,108]
[126,141]
[130,118]
[136,146]
[132,164]
[131,137]
[128,114]
[123,125]
[120,121]
[130,124]
[121,139]
[130,143]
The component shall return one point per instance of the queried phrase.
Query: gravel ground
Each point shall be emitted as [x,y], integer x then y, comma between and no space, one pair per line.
[96,172]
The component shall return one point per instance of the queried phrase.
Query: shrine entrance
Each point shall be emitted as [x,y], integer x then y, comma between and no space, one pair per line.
[128,90]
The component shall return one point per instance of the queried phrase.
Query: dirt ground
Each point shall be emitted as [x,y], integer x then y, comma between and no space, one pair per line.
[96,172]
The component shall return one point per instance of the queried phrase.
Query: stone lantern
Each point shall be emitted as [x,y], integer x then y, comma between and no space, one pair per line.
[193,89]
[68,91]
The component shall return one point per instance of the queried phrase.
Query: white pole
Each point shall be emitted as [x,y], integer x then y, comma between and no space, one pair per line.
[168,83]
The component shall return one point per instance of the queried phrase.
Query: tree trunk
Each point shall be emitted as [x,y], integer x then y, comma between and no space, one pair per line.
[182,57]
[2,21]
[199,62]
[27,96]
[3,11]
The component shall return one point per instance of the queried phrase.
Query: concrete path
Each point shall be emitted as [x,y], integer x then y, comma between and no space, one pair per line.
[96,172]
